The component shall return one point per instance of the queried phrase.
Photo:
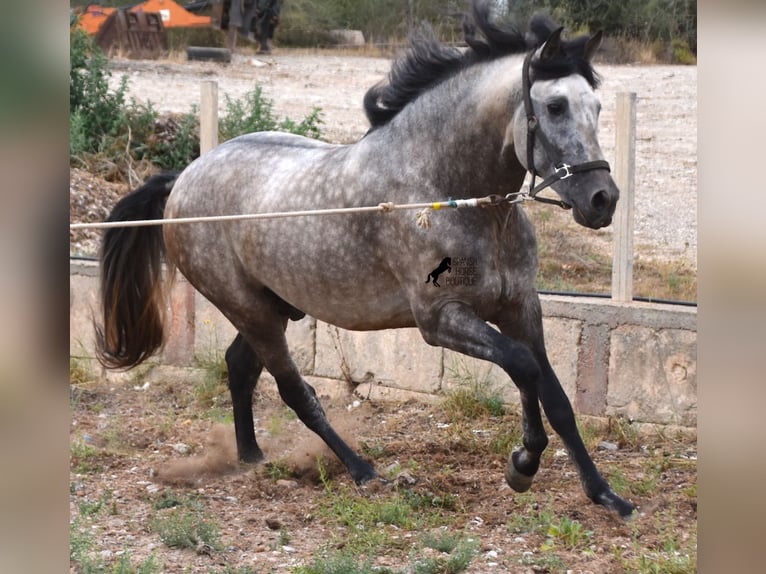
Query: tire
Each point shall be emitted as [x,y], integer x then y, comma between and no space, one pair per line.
[204,53]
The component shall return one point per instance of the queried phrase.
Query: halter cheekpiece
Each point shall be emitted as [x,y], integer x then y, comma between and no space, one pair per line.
[564,170]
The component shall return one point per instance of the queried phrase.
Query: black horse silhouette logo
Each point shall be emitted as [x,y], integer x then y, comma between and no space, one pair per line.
[445,265]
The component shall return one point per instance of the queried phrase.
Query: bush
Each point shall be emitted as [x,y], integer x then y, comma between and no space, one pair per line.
[96,112]
[103,124]
[254,113]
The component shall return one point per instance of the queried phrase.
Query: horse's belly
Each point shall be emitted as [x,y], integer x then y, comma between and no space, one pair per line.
[357,306]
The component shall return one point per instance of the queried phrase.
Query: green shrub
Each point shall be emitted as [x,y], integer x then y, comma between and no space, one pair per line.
[682,53]
[104,123]
[254,113]
[97,111]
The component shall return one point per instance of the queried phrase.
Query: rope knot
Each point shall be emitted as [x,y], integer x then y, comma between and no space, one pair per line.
[423,218]
[386,206]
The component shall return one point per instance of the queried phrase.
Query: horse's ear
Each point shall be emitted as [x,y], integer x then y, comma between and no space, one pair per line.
[592,45]
[552,44]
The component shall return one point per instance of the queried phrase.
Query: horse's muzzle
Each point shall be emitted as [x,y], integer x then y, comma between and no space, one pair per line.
[597,209]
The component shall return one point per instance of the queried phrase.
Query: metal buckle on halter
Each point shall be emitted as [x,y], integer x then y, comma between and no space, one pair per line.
[565,167]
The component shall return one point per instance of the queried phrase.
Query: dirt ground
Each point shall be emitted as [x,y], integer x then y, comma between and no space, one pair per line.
[140,441]
[144,443]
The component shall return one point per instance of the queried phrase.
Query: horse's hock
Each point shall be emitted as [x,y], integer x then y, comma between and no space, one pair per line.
[635,360]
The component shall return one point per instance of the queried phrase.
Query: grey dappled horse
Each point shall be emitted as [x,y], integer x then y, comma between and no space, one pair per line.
[446,123]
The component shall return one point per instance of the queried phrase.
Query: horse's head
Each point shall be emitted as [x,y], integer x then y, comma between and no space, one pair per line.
[555,128]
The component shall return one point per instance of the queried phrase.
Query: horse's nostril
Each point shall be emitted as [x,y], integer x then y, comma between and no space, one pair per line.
[600,200]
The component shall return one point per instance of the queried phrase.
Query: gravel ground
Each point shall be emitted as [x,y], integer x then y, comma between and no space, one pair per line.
[666,175]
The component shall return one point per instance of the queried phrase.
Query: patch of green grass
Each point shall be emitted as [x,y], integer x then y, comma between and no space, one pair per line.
[530,518]
[457,553]
[339,563]
[503,441]
[83,556]
[643,486]
[570,534]
[659,563]
[622,431]
[673,552]
[430,500]
[79,371]
[456,560]
[473,396]
[373,451]
[94,507]
[214,381]
[181,527]
[278,469]
[543,562]
[443,542]
[374,522]
[83,458]
[168,499]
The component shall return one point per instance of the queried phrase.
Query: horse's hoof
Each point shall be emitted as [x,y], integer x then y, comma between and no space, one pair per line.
[252,457]
[516,480]
[362,474]
[613,502]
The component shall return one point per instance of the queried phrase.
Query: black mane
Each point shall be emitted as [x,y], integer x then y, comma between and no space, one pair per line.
[427,62]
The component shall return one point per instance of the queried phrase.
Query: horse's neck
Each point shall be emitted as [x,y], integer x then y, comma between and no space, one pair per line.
[457,131]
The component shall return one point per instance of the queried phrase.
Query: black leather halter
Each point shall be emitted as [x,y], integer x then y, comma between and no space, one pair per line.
[563,171]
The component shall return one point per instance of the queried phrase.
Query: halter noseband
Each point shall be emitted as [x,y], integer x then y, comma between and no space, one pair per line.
[564,170]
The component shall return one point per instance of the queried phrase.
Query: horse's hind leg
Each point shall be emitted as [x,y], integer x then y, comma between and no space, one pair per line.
[244,369]
[269,342]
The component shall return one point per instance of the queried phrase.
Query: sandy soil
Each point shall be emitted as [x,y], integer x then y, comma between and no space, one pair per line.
[143,443]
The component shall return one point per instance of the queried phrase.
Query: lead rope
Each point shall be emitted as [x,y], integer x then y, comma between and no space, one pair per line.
[423,217]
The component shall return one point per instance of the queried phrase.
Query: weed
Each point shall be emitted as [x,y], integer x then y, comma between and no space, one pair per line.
[278,469]
[83,458]
[530,520]
[445,542]
[503,442]
[457,560]
[656,563]
[184,528]
[642,486]
[570,533]
[168,499]
[79,371]
[429,500]
[338,563]
[324,476]
[624,432]
[544,562]
[618,480]
[213,388]
[91,508]
[254,113]
[82,548]
[373,451]
[473,397]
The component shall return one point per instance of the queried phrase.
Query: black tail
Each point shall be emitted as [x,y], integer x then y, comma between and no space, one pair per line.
[132,298]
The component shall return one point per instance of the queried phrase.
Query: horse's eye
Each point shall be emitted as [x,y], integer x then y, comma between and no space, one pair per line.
[557,108]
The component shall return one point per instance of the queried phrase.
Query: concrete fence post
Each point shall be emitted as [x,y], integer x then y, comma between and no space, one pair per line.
[180,342]
[625,177]
[208,116]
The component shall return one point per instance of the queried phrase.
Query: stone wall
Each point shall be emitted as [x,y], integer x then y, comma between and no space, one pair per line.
[638,360]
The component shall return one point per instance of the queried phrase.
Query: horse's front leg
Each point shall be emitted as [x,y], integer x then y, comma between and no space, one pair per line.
[457,327]
[559,411]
